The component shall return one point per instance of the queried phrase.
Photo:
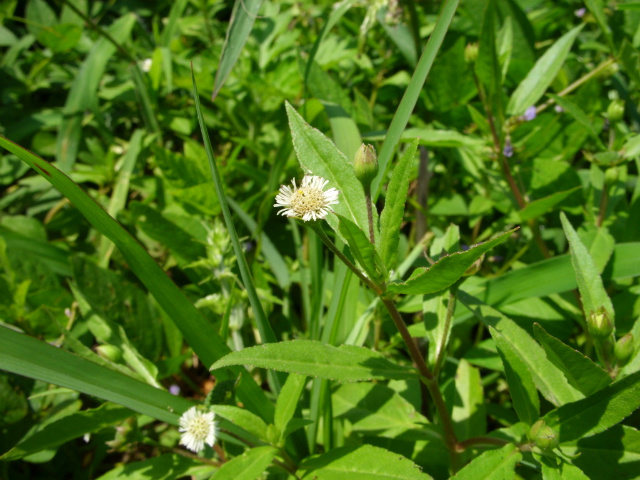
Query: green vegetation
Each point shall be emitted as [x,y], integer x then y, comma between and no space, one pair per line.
[464,303]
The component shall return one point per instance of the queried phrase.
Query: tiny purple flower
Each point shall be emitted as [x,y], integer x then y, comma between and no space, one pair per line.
[558,109]
[174,389]
[507,151]
[529,114]
[580,12]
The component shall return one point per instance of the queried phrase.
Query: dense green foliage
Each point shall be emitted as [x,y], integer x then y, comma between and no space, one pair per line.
[472,311]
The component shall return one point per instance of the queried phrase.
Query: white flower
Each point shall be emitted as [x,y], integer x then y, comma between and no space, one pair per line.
[145,65]
[197,429]
[309,201]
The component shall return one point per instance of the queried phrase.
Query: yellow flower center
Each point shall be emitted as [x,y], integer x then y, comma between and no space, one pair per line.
[199,428]
[307,199]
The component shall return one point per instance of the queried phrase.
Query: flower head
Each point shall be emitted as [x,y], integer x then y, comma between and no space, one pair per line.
[529,114]
[309,201]
[197,429]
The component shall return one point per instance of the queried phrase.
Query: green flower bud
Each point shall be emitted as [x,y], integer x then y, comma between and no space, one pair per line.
[366,165]
[615,112]
[600,325]
[623,349]
[110,352]
[543,436]
[471,52]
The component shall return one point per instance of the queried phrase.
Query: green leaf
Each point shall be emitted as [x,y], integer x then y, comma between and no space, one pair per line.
[243,16]
[592,291]
[373,408]
[33,358]
[67,428]
[83,93]
[576,112]
[412,93]
[539,207]
[468,412]
[243,418]
[492,465]
[318,155]
[346,363]
[598,412]
[547,377]
[288,401]
[362,249]
[248,466]
[60,38]
[542,74]
[555,468]
[434,313]
[198,332]
[164,467]
[446,271]
[521,386]
[364,462]
[580,371]
[614,450]
[393,212]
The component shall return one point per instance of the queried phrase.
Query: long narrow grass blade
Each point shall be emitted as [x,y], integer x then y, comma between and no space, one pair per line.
[242,18]
[410,97]
[197,331]
[24,355]
[266,333]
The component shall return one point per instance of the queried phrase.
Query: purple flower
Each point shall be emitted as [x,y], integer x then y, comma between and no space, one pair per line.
[174,389]
[529,114]
[580,12]
[507,151]
[558,109]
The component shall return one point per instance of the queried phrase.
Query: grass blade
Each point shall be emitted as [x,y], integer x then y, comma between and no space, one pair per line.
[408,102]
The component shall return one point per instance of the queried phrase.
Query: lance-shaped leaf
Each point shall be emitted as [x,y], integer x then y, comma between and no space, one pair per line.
[391,217]
[542,74]
[492,465]
[598,412]
[318,155]
[362,462]
[362,249]
[248,466]
[243,419]
[592,291]
[242,18]
[288,401]
[446,271]
[541,206]
[522,389]
[580,371]
[556,468]
[548,378]
[346,363]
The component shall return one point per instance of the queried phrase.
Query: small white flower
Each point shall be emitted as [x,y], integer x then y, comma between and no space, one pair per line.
[197,429]
[309,201]
[145,65]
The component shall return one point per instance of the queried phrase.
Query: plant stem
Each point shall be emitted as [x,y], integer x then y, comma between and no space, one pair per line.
[428,379]
[426,376]
[331,246]
[462,446]
[367,199]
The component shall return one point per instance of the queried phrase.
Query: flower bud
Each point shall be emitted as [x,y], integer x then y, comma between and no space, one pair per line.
[615,112]
[600,325]
[543,436]
[623,349]
[366,165]
[110,352]
[471,52]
